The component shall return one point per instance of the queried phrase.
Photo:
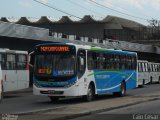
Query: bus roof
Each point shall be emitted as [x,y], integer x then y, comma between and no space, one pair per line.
[142,61]
[92,48]
[112,51]
[13,51]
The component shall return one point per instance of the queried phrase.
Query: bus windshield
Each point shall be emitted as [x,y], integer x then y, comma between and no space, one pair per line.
[57,65]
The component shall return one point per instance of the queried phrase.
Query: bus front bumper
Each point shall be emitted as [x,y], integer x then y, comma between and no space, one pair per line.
[71,91]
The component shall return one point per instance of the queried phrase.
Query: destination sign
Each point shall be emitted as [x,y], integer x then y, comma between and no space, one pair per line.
[54,49]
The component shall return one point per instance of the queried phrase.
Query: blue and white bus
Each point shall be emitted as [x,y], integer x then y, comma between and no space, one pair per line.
[67,69]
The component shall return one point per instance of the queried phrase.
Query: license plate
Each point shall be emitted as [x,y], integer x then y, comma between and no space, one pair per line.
[51,91]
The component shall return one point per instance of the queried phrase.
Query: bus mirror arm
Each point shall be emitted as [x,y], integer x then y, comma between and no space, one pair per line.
[31,65]
[29,58]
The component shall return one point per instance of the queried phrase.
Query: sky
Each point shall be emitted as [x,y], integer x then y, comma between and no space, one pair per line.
[136,10]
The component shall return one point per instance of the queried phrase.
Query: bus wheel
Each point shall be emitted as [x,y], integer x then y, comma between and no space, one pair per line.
[54,99]
[150,80]
[143,83]
[90,93]
[159,81]
[122,91]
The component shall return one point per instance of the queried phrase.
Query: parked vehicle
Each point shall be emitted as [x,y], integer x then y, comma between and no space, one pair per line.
[14,73]
[154,69]
[66,69]
[143,72]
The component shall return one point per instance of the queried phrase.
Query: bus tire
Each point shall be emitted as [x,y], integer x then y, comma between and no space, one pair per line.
[90,93]
[54,99]
[151,81]
[122,92]
[159,80]
[143,83]
[1,95]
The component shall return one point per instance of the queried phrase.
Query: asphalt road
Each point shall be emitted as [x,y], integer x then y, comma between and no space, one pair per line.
[23,102]
[144,111]
[152,107]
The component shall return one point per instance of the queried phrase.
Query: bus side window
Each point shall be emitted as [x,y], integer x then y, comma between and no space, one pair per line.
[112,62]
[143,67]
[81,62]
[139,68]
[123,62]
[117,62]
[107,61]
[11,62]
[94,55]
[2,61]
[150,68]
[146,67]
[158,68]
[90,61]
[100,61]
[21,62]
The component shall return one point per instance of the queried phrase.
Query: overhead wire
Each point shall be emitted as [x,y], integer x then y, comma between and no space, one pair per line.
[91,1]
[127,10]
[56,9]
[101,5]
[85,8]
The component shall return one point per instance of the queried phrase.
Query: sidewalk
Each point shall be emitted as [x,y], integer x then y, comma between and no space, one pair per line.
[81,109]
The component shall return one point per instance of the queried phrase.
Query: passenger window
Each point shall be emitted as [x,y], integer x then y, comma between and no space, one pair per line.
[90,61]
[146,67]
[142,67]
[123,62]
[2,61]
[21,62]
[11,62]
[81,56]
[139,67]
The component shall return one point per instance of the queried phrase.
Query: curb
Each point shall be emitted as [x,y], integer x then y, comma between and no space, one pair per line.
[40,111]
[81,114]
[85,113]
